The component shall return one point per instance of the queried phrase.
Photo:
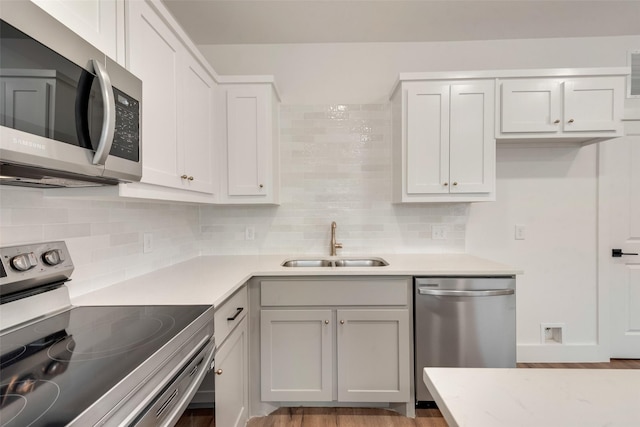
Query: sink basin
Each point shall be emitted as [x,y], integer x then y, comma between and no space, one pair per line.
[360,262]
[341,262]
[307,263]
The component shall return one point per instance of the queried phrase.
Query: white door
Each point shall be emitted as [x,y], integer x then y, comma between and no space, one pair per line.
[593,104]
[96,21]
[472,146]
[621,171]
[530,105]
[232,382]
[373,355]
[196,128]
[247,145]
[154,54]
[296,348]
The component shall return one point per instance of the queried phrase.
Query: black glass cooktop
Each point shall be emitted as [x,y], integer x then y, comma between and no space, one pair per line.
[53,370]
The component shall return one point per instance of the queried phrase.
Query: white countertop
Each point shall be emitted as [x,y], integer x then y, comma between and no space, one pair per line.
[212,279]
[479,397]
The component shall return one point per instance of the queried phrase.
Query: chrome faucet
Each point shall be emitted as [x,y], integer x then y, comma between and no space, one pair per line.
[334,245]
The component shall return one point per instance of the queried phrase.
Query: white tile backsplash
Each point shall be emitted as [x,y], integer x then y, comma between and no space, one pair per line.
[104,237]
[335,166]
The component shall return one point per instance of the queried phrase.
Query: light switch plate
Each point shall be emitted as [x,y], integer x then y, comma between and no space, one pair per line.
[519,232]
[148,243]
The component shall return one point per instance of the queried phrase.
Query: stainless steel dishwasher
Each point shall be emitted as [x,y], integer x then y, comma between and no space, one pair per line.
[463,322]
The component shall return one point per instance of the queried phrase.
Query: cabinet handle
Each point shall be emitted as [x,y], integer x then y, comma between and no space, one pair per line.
[190,178]
[342,322]
[326,322]
[556,121]
[261,186]
[238,311]
[455,183]
[219,372]
[445,184]
[570,121]
[183,176]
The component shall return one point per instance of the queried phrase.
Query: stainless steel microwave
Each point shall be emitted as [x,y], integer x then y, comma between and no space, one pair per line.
[69,115]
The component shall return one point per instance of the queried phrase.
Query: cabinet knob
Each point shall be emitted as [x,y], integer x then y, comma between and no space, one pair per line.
[445,184]
[326,322]
[455,183]
[219,372]
[342,322]
[261,186]
[190,178]
[183,176]
[570,121]
[556,121]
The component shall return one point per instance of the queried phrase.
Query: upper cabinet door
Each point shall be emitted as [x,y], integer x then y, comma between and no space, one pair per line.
[196,128]
[471,138]
[248,140]
[593,104]
[427,154]
[154,55]
[530,105]
[100,22]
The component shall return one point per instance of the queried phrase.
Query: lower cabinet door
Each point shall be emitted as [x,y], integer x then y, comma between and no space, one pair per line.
[296,355]
[231,379]
[373,355]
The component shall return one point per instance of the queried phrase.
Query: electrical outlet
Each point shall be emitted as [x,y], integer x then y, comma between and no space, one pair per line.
[249,233]
[438,232]
[148,243]
[519,232]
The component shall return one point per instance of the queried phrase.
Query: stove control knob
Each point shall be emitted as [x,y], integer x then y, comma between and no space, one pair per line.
[24,262]
[53,257]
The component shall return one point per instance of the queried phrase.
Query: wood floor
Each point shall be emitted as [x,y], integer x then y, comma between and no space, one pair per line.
[365,417]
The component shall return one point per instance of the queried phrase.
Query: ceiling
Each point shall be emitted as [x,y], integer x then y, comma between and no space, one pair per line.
[340,21]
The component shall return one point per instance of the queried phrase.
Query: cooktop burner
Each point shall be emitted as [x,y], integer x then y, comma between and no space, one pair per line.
[62,365]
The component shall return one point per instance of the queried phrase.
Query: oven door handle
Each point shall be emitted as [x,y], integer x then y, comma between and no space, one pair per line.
[454,293]
[108,114]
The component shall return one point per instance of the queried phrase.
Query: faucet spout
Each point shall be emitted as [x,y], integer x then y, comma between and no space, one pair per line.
[334,244]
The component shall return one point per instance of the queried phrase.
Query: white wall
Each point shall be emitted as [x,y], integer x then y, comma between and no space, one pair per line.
[365,72]
[104,237]
[550,190]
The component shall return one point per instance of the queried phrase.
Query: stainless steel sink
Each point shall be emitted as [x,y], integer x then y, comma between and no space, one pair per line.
[340,262]
[307,263]
[360,262]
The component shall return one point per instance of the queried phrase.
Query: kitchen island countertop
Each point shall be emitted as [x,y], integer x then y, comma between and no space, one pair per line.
[212,279]
[484,397]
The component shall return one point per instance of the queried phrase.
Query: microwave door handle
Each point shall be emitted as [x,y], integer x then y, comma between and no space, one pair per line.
[108,115]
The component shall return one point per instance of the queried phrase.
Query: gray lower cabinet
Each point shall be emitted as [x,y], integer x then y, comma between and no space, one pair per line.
[232,394]
[345,340]
[230,377]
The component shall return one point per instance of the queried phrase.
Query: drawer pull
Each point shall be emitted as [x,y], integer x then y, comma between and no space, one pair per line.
[235,316]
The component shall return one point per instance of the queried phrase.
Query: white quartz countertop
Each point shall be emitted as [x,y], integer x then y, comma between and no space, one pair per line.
[212,279]
[479,397]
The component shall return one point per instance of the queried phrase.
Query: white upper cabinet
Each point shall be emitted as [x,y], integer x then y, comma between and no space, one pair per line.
[177,104]
[247,135]
[100,22]
[572,108]
[444,146]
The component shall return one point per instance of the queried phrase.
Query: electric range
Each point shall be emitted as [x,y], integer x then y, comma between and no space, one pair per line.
[92,365]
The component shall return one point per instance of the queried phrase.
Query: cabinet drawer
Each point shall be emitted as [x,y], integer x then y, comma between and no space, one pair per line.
[229,314]
[343,291]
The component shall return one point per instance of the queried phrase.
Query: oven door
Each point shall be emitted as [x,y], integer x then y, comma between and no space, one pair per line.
[172,400]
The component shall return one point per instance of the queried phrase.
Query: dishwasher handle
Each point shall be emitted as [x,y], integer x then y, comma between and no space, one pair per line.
[454,293]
